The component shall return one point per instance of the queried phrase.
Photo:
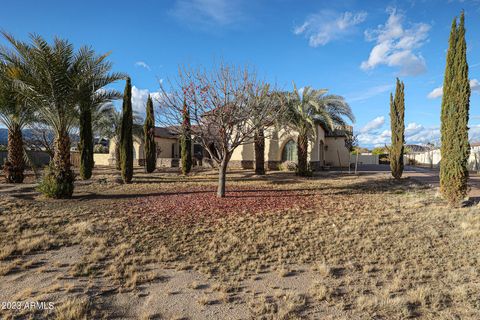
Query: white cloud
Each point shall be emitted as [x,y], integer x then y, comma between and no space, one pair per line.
[396,46]
[208,12]
[369,93]
[375,139]
[139,99]
[438,92]
[414,134]
[474,133]
[375,124]
[412,129]
[325,26]
[142,64]
[435,93]
[475,85]
[418,134]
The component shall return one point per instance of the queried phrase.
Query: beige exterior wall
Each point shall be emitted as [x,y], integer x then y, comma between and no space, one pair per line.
[164,145]
[137,146]
[101,159]
[324,150]
[164,151]
[336,155]
[274,146]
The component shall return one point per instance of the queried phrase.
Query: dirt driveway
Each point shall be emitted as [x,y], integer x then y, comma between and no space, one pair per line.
[425,175]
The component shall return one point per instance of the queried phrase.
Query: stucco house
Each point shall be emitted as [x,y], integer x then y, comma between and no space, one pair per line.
[328,150]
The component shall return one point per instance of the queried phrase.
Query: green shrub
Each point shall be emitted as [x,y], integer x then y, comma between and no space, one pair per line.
[288,166]
[56,186]
[98,148]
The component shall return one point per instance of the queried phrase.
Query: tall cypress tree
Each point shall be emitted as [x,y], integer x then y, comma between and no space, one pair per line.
[149,136]
[455,148]
[397,124]
[186,140]
[86,141]
[126,137]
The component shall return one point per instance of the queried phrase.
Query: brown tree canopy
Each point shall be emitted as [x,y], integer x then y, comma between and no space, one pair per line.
[227,104]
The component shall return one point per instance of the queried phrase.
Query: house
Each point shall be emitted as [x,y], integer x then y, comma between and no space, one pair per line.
[328,150]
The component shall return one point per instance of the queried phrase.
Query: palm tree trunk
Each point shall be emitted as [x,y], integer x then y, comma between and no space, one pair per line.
[259,142]
[61,157]
[62,166]
[15,165]
[302,152]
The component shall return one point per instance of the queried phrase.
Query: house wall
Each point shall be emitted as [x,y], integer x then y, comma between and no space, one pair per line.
[164,157]
[101,159]
[165,146]
[137,151]
[336,155]
[244,155]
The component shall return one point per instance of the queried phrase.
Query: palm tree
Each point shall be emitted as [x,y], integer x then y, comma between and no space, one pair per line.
[306,110]
[95,76]
[14,114]
[48,79]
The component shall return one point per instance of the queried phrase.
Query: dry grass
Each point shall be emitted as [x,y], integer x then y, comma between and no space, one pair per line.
[75,309]
[373,247]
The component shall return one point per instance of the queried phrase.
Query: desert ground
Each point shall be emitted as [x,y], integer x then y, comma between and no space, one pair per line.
[334,246]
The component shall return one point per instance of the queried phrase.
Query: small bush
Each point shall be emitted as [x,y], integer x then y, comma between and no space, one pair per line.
[57,186]
[98,148]
[288,166]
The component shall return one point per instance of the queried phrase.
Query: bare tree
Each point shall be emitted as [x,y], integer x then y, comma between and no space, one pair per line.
[41,139]
[226,105]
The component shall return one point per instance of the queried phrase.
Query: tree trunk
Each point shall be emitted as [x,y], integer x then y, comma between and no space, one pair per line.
[118,165]
[62,166]
[302,153]
[86,143]
[259,142]
[15,165]
[61,157]
[222,176]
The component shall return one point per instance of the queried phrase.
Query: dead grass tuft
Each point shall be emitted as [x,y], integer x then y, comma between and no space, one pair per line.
[75,309]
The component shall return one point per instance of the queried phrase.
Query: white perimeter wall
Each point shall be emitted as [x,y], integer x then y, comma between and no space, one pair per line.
[432,158]
[364,158]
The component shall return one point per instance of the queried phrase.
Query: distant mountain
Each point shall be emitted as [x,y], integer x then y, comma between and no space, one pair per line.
[28,134]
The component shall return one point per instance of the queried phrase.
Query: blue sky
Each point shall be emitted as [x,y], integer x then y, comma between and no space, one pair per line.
[353,48]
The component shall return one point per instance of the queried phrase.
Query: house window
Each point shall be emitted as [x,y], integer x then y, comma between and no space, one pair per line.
[289,152]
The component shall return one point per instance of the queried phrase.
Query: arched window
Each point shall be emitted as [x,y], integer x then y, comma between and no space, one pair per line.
[289,152]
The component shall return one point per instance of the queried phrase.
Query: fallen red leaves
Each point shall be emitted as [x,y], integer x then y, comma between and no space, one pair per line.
[202,202]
